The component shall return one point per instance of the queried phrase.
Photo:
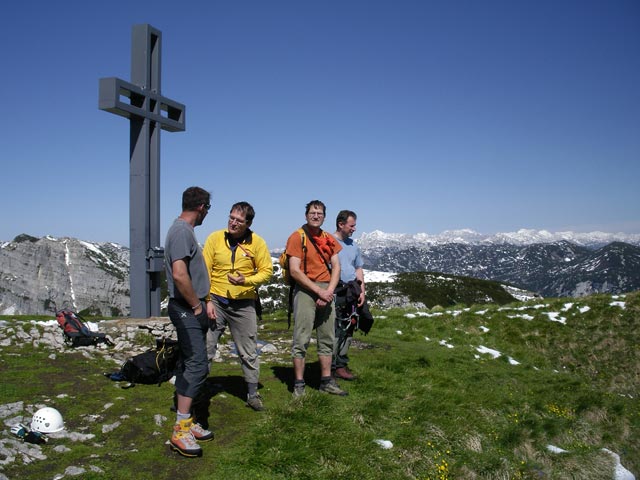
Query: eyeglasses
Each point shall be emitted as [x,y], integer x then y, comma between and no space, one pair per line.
[315,214]
[207,206]
[236,220]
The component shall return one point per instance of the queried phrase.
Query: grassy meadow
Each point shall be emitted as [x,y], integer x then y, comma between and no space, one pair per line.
[463,392]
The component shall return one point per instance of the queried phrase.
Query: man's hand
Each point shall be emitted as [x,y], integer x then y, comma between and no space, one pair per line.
[237,279]
[197,310]
[211,311]
[325,295]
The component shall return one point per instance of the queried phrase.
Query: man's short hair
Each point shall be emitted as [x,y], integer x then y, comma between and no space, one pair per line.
[315,203]
[246,209]
[343,216]
[193,197]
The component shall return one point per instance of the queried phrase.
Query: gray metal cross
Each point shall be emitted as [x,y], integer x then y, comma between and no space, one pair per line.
[148,111]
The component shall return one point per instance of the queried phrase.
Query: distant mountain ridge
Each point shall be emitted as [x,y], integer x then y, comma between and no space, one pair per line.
[523,236]
[35,272]
[551,269]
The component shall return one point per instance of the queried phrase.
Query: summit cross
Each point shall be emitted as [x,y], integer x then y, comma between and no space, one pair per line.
[148,112]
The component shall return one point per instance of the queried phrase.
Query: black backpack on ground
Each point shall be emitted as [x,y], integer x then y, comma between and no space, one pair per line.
[153,367]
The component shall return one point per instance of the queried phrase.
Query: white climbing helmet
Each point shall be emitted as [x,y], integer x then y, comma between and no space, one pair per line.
[47,420]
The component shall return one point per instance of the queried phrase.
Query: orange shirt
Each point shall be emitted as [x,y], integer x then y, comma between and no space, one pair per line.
[315,269]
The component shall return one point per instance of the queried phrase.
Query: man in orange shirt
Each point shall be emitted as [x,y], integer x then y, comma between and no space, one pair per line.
[315,268]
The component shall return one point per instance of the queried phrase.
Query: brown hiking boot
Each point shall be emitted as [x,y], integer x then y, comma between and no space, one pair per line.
[344,374]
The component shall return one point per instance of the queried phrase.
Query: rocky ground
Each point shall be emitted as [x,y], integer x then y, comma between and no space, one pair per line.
[129,337]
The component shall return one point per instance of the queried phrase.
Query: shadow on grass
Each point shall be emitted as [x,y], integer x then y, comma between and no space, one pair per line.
[232,384]
[311,375]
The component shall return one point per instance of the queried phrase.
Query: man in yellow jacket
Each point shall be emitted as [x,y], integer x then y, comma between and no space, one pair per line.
[238,261]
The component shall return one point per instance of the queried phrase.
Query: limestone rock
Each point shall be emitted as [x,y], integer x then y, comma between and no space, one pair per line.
[39,275]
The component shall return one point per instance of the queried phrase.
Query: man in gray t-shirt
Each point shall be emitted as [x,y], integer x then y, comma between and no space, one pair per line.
[182,244]
[188,283]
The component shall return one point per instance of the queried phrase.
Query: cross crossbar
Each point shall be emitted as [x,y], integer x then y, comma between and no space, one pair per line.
[142,104]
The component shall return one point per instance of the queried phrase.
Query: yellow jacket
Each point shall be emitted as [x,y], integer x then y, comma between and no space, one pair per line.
[251,258]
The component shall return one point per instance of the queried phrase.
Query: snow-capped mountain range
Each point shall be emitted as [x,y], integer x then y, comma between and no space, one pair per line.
[36,273]
[470,237]
[550,264]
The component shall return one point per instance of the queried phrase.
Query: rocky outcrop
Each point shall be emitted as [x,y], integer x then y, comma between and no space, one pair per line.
[38,275]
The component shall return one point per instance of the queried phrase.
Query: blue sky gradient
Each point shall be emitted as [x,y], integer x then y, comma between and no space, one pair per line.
[422,116]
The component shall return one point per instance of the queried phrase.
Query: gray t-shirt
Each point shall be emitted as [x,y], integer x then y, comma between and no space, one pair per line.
[181,243]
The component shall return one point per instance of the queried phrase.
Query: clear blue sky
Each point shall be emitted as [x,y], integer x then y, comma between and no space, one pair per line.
[422,116]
